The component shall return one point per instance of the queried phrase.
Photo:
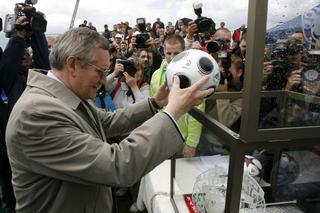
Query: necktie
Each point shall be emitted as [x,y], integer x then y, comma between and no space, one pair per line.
[93,118]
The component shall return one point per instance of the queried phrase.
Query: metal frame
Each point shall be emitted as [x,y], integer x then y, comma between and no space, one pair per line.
[250,136]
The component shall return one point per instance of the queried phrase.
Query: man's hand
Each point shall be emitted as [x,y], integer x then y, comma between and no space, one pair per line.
[181,101]
[223,87]
[161,95]
[150,41]
[192,28]
[117,68]
[188,151]
[294,79]
[131,81]
[267,69]
[22,21]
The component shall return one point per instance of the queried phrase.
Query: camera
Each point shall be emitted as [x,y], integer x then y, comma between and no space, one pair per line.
[215,46]
[280,56]
[283,63]
[143,36]
[129,67]
[204,24]
[37,21]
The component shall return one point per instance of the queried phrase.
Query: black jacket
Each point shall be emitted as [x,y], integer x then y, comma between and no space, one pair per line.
[12,78]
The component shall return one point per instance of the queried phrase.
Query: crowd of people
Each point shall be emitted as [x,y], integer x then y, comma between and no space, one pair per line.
[61,148]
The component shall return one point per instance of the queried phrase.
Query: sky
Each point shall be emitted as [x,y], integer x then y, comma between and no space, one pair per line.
[233,12]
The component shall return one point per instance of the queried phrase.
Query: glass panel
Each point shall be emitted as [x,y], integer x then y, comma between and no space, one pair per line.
[296,180]
[195,177]
[291,65]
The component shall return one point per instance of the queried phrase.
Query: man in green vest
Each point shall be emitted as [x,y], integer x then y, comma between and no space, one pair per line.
[189,126]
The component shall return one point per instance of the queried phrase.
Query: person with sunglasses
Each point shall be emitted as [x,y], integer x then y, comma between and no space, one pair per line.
[58,143]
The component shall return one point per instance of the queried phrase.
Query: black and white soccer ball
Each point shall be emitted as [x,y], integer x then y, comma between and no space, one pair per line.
[190,66]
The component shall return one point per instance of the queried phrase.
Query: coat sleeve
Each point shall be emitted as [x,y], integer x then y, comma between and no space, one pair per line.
[125,120]
[228,111]
[56,147]
[10,65]
[39,46]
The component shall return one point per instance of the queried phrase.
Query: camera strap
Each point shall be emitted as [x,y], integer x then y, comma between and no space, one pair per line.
[116,89]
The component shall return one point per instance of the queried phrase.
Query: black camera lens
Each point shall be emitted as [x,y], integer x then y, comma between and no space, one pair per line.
[213,47]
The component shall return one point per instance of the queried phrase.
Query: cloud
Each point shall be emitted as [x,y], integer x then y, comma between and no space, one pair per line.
[100,12]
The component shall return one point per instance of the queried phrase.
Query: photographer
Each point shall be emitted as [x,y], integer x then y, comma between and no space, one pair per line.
[228,111]
[242,48]
[14,67]
[285,66]
[17,60]
[126,83]
[106,33]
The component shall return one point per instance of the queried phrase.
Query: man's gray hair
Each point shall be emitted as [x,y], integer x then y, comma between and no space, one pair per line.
[79,42]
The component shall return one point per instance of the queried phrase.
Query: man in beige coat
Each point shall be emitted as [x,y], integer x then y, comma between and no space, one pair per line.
[58,143]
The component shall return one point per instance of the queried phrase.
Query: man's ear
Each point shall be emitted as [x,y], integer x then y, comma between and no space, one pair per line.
[71,65]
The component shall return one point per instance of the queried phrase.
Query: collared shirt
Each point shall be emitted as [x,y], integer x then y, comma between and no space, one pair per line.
[53,76]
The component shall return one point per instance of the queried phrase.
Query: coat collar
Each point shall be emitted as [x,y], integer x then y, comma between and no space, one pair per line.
[53,87]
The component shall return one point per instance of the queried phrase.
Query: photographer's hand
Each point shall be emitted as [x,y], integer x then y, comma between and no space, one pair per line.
[22,21]
[117,69]
[267,69]
[294,79]
[131,81]
[181,101]
[223,87]
[192,28]
[132,45]
[151,43]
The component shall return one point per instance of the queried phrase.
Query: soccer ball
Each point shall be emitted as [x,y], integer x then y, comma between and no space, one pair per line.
[190,66]
[253,167]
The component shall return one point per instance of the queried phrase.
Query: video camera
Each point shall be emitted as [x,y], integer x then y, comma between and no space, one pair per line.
[37,21]
[128,65]
[143,36]
[204,24]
